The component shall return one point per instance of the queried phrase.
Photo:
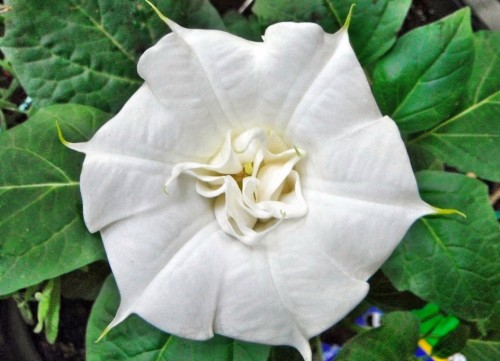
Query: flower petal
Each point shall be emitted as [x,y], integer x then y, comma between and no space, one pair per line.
[245,291]
[245,84]
[310,280]
[364,191]
[357,235]
[186,276]
[362,163]
[140,247]
[338,101]
[145,129]
[116,187]
[132,155]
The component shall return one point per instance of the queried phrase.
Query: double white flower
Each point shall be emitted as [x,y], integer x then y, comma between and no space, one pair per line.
[248,189]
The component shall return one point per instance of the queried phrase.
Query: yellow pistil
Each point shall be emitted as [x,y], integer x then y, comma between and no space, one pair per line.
[248,168]
[246,172]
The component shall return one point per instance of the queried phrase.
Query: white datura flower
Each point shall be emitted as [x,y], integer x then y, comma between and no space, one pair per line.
[248,189]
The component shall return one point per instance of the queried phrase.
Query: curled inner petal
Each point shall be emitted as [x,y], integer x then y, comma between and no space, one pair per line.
[253,181]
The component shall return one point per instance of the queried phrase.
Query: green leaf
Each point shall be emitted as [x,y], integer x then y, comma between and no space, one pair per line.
[395,340]
[49,304]
[453,342]
[281,353]
[422,159]
[420,81]
[243,26]
[449,260]
[274,11]
[73,51]
[43,234]
[374,25]
[383,295]
[470,140]
[86,51]
[152,344]
[479,350]
[493,323]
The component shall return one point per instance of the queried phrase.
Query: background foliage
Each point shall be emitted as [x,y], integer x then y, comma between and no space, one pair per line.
[77,60]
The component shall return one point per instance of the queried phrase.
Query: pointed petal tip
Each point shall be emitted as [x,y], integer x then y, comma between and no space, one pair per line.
[79,147]
[348,19]
[117,320]
[170,23]
[60,135]
[448,211]
[305,351]
[104,333]
[337,17]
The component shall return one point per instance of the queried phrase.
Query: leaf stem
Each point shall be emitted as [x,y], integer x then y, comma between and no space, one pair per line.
[319,349]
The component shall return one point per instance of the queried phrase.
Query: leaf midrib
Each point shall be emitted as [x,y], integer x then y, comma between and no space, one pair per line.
[164,348]
[26,206]
[418,82]
[437,239]
[486,73]
[9,187]
[373,31]
[463,113]
[53,55]
[101,28]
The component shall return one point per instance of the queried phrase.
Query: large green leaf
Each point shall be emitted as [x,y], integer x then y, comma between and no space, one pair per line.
[449,260]
[419,82]
[85,51]
[478,350]
[422,159]
[151,344]
[470,140]
[374,24]
[493,323]
[395,340]
[43,234]
[73,51]
[274,11]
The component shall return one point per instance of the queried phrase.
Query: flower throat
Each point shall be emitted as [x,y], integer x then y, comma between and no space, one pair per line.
[253,181]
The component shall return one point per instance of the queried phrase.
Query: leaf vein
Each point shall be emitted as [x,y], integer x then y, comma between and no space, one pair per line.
[45,160]
[456,117]
[99,26]
[418,82]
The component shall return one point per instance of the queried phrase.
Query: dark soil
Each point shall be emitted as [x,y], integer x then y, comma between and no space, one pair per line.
[427,11]
[70,344]
[226,5]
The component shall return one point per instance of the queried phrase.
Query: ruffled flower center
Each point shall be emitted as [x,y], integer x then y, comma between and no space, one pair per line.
[253,181]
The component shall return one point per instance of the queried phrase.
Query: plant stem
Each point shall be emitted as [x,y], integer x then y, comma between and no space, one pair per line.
[319,349]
